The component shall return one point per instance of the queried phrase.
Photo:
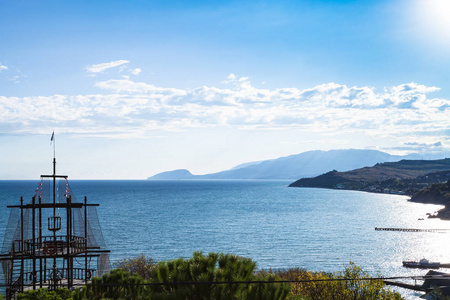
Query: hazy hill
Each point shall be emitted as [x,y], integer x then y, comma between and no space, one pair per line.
[173,175]
[306,164]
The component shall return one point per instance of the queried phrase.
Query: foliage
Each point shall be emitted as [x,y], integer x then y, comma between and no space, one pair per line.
[352,283]
[141,265]
[44,294]
[118,284]
[208,277]
[215,267]
[436,294]
[286,274]
[268,291]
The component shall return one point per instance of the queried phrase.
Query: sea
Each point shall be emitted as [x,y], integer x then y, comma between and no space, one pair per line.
[277,226]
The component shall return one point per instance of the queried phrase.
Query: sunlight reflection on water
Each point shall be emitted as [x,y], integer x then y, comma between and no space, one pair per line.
[278,227]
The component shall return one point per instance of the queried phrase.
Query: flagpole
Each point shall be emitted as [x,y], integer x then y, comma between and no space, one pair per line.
[52,140]
[54,148]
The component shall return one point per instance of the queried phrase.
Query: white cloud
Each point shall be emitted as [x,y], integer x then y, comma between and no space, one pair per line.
[103,66]
[128,86]
[136,71]
[230,78]
[3,67]
[404,112]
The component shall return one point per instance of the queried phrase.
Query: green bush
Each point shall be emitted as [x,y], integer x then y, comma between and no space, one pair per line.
[210,276]
[436,294]
[215,267]
[44,294]
[359,286]
[141,265]
[211,271]
[118,284]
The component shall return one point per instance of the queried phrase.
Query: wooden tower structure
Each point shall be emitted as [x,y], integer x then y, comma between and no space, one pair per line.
[52,241]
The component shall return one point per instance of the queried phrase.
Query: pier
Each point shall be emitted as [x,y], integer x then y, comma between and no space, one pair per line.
[414,287]
[411,229]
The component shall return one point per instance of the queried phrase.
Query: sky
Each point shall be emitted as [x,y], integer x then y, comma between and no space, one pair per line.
[133,88]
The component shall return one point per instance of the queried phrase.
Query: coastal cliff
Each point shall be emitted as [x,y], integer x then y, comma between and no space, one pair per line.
[426,181]
[405,177]
[438,193]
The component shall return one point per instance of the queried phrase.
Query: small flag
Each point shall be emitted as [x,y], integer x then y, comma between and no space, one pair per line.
[53,137]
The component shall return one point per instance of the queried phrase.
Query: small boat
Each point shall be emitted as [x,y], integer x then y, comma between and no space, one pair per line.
[423,263]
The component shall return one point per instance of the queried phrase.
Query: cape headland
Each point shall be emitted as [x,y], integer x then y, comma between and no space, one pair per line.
[426,181]
[438,193]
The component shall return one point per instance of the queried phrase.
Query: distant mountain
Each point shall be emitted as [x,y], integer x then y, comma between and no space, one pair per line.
[306,164]
[173,175]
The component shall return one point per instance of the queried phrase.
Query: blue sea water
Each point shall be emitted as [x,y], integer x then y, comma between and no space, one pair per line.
[276,226]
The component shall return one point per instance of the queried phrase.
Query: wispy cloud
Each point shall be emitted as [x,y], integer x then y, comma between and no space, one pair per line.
[3,67]
[415,144]
[404,112]
[431,148]
[97,68]
[135,71]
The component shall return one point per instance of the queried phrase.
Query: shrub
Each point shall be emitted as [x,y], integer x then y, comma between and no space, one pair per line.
[44,294]
[357,285]
[118,284]
[141,265]
[210,276]
[215,267]
[436,294]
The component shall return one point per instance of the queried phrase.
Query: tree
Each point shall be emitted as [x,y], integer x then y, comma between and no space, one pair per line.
[118,284]
[44,294]
[437,294]
[141,265]
[211,277]
[352,283]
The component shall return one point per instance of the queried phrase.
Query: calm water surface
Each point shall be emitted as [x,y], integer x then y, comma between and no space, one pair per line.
[276,226]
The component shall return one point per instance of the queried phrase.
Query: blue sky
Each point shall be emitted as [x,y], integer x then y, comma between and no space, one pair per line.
[133,88]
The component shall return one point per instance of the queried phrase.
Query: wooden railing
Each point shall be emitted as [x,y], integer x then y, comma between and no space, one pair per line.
[61,273]
[49,245]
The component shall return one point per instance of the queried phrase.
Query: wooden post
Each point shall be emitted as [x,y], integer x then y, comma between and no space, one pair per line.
[55,275]
[21,246]
[33,243]
[68,239]
[40,243]
[85,241]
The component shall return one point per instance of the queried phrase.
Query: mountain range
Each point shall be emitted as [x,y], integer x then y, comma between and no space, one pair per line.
[293,167]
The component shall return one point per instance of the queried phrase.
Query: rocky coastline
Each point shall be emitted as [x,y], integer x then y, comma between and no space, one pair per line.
[424,181]
[438,193]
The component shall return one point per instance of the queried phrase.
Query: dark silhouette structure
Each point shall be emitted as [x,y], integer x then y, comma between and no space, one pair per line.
[52,241]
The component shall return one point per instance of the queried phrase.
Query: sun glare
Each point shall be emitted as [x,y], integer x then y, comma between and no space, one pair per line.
[433,18]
